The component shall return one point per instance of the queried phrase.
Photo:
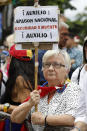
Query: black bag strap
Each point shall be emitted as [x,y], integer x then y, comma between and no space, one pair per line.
[78,78]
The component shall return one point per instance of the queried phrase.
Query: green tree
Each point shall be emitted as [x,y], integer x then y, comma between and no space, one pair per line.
[62,4]
[79,26]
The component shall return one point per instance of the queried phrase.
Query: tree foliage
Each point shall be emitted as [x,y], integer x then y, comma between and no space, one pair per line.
[79,26]
[62,4]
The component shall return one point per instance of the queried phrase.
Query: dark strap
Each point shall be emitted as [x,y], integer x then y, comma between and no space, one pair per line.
[4,82]
[78,78]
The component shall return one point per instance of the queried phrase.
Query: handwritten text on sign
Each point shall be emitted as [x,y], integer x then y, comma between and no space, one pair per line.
[36,24]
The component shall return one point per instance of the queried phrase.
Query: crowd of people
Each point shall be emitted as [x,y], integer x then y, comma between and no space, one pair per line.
[61,92]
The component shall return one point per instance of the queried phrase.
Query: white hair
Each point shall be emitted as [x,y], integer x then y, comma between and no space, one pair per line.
[51,53]
[63,24]
[10,40]
[67,59]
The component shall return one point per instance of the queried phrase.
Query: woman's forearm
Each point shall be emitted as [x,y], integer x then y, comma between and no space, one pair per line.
[61,120]
[19,114]
[38,118]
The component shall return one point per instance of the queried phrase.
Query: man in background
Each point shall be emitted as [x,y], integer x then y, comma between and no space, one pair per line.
[75,55]
[63,37]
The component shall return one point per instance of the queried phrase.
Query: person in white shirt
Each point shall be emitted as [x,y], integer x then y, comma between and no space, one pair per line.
[80,72]
[81,113]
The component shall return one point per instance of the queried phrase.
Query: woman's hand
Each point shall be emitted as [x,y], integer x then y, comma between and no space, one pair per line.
[37,118]
[34,97]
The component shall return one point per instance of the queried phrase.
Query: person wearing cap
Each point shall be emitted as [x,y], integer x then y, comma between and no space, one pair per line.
[20,81]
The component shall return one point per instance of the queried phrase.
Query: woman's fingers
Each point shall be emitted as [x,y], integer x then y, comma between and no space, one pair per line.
[34,97]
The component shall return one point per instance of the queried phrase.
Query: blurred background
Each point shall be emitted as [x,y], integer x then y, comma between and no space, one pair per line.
[73,12]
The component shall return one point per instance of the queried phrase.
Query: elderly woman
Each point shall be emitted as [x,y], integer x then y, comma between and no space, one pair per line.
[58,100]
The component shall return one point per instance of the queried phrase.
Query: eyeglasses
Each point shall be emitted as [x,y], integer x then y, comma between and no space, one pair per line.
[54,64]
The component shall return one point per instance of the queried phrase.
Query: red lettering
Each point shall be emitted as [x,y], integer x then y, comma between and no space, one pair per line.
[38,27]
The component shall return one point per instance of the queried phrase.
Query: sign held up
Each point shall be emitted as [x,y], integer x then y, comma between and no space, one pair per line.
[36,24]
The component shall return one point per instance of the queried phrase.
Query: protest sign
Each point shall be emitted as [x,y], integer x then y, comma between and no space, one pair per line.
[36,24]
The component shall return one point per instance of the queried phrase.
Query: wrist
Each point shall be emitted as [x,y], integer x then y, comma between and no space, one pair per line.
[6,107]
[30,104]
